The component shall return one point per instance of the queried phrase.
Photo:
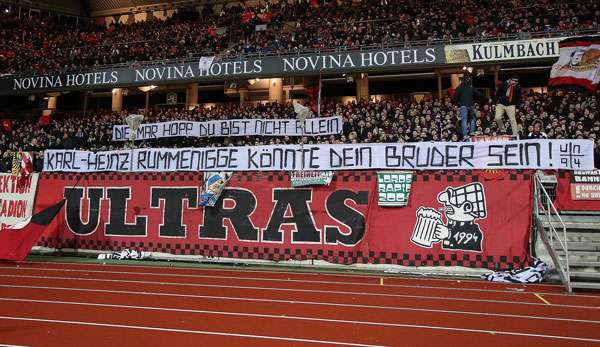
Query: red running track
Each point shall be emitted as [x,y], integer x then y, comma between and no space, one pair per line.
[66,304]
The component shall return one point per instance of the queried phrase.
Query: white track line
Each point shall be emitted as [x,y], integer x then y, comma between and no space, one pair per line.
[237,314]
[302,271]
[201,332]
[273,280]
[315,303]
[312,291]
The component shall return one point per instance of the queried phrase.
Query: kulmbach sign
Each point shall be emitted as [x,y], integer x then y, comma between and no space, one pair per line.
[363,61]
[545,48]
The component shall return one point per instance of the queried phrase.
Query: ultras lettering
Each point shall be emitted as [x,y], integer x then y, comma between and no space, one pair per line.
[173,212]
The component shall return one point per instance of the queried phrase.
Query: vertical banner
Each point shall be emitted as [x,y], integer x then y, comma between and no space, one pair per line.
[393,188]
[453,218]
[16,201]
[214,183]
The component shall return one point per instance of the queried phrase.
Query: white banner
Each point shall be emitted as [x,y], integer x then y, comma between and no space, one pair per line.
[233,127]
[502,50]
[16,202]
[525,154]
[205,62]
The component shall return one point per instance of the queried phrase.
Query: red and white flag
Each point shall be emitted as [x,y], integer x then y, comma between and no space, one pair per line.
[16,241]
[22,167]
[578,65]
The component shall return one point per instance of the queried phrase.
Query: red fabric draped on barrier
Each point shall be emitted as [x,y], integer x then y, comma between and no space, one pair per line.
[564,196]
[454,218]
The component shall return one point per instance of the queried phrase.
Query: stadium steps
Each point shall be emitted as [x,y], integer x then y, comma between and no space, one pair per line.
[584,285]
[583,242]
[584,263]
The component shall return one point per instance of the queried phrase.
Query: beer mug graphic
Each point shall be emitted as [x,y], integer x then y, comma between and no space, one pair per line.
[424,230]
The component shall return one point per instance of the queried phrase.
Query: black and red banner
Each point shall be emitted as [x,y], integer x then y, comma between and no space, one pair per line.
[453,218]
[578,191]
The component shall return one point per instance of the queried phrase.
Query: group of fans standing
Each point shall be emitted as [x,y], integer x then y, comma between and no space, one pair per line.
[517,112]
[38,45]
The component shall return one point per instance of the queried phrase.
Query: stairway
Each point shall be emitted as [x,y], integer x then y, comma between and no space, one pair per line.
[572,238]
[583,244]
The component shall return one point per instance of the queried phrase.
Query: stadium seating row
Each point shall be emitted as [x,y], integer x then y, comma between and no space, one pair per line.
[45,44]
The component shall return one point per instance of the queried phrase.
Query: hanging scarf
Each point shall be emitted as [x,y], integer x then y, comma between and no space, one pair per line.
[509,91]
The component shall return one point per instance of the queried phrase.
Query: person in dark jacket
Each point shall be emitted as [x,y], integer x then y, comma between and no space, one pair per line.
[464,98]
[537,133]
[6,162]
[508,98]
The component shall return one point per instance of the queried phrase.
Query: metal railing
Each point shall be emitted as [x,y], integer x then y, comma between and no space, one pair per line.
[546,216]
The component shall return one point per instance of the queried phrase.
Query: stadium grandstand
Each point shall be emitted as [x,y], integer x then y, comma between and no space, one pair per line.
[299,172]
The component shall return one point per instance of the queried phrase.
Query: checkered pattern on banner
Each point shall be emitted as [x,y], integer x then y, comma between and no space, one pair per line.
[284,176]
[281,254]
[121,176]
[368,176]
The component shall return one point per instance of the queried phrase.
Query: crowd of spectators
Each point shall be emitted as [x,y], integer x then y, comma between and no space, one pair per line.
[357,23]
[45,44]
[555,115]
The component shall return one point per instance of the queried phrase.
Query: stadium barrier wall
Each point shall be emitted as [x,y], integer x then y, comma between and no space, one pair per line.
[259,216]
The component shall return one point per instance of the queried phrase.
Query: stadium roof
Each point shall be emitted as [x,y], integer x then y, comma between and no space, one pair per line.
[95,8]
[106,7]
